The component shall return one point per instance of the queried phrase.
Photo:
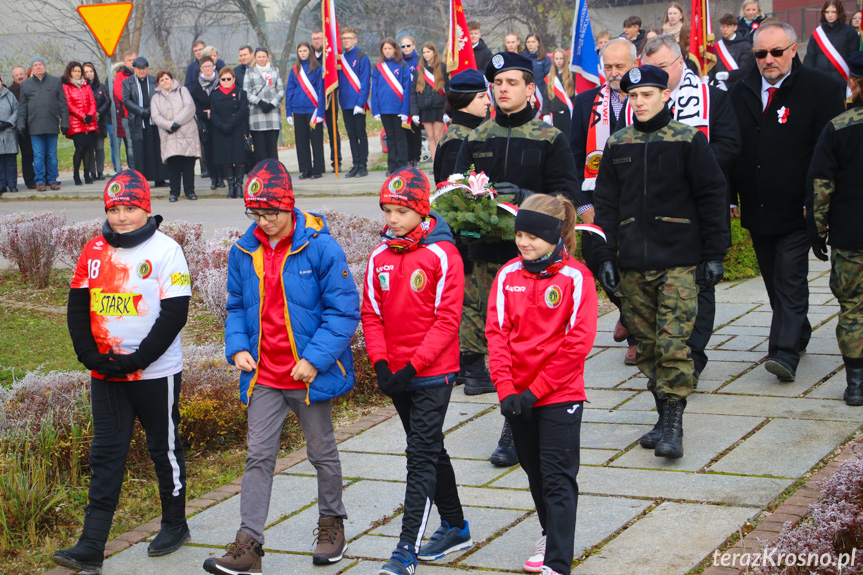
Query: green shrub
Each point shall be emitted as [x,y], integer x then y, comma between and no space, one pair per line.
[740,261]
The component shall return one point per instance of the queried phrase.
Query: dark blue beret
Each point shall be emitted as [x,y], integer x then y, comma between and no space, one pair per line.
[644,76]
[855,64]
[503,61]
[467,81]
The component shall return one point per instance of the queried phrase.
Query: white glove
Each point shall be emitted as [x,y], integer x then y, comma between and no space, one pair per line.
[378,117]
[416,119]
[318,120]
[547,119]
[446,119]
[404,118]
[291,120]
[358,110]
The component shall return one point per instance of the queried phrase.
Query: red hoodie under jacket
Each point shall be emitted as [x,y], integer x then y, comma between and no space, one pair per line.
[540,331]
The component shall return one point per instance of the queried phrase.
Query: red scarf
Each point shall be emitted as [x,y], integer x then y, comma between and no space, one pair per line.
[548,265]
[410,241]
[226,91]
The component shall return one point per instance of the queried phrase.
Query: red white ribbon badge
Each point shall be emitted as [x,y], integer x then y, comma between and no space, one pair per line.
[783,113]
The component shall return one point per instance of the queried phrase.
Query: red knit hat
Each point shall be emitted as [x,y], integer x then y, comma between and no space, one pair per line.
[128,188]
[408,187]
[269,187]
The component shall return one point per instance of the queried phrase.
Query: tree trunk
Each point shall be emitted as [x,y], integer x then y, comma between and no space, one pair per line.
[247,9]
[289,41]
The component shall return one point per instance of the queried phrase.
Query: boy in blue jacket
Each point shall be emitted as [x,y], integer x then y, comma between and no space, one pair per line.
[291,340]
[355,82]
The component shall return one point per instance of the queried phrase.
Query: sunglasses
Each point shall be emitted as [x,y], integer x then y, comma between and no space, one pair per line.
[775,52]
[226,79]
[407,45]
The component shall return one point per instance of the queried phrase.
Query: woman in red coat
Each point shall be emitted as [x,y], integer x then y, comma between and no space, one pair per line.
[83,127]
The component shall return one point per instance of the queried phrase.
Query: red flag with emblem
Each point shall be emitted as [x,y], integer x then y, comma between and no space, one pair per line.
[701,37]
[332,47]
[459,50]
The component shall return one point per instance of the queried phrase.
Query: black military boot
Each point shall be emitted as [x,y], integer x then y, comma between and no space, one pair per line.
[175,530]
[504,455]
[652,437]
[854,377]
[88,553]
[474,374]
[671,443]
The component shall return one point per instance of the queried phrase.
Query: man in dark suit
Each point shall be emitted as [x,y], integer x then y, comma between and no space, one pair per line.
[332,127]
[781,108]
[596,114]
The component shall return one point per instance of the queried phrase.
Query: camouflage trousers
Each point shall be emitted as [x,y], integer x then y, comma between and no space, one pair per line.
[477,287]
[847,269]
[659,307]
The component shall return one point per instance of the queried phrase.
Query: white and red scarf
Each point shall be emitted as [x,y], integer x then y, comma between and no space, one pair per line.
[431,81]
[690,105]
[559,92]
[725,56]
[390,78]
[307,87]
[351,76]
[598,133]
[830,52]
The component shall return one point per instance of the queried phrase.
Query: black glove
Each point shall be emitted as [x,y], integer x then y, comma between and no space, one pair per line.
[146,114]
[174,127]
[398,383]
[819,247]
[382,370]
[93,360]
[527,399]
[265,106]
[712,273]
[64,130]
[608,277]
[518,194]
[88,118]
[5,126]
[119,366]
[510,406]
[22,131]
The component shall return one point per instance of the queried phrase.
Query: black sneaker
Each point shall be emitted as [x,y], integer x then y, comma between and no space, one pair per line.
[352,173]
[361,172]
[446,540]
[780,369]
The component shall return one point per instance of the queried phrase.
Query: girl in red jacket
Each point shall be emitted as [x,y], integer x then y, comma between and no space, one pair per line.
[541,326]
[412,303]
[83,125]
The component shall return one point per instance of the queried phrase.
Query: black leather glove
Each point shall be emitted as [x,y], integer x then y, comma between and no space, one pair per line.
[64,130]
[146,114]
[526,398]
[119,366]
[93,360]
[519,195]
[265,106]
[174,127]
[819,247]
[398,383]
[5,126]
[382,371]
[608,277]
[510,406]
[88,118]
[713,272]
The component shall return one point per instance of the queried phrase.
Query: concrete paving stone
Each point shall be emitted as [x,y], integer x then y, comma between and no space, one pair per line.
[607,321]
[717,341]
[372,567]
[726,312]
[477,439]
[735,356]
[366,503]
[389,436]
[635,384]
[756,319]
[218,525]
[605,339]
[376,547]
[597,519]
[609,435]
[821,299]
[643,401]
[708,386]
[833,388]
[619,416]
[589,456]
[767,451]
[607,369]
[722,370]
[595,350]
[826,330]
[188,559]
[707,487]
[733,329]
[497,498]
[705,437]
[458,396]
[635,551]
[741,343]
[606,398]
[759,381]
[786,407]
[823,346]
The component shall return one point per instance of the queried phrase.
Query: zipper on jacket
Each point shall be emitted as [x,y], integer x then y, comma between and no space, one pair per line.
[644,202]
[506,154]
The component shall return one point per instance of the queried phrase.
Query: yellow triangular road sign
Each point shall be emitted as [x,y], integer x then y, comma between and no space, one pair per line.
[106,22]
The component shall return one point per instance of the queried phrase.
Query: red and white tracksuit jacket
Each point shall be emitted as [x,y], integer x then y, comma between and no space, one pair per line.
[412,305]
[540,331]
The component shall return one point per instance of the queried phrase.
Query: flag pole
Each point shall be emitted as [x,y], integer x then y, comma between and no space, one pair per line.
[335,135]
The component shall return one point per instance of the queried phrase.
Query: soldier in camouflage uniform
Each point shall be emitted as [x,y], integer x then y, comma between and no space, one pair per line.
[468,99]
[661,199]
[834,204]
[518,153]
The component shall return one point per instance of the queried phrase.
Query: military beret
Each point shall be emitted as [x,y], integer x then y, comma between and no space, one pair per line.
[140,62]
[644,76]
[503,61]
[467,82]
[855,64]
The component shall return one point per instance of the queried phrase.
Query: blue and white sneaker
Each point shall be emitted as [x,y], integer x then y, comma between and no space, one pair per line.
[402,562]
[446,540]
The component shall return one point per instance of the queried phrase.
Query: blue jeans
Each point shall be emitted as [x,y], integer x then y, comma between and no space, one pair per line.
[115,152]
[45,158]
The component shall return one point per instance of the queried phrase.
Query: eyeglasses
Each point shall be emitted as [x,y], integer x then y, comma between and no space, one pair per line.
[226,79]
[664,66]
[407,45]
[349,37]
[269,216]
[775,52]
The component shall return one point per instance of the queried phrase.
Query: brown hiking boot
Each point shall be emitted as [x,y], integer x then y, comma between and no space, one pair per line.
[241,556]
[331,543]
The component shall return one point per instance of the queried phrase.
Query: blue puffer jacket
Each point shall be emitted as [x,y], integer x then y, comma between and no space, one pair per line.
[322,306]
[384,99]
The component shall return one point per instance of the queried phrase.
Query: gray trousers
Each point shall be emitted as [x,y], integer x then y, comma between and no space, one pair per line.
[268,408]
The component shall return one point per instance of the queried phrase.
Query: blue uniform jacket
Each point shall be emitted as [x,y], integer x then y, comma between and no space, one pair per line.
[296,100]
[362,67]
[384,99]
[322,306]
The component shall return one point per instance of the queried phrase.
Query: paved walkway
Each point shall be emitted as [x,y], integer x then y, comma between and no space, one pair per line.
[748,437]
